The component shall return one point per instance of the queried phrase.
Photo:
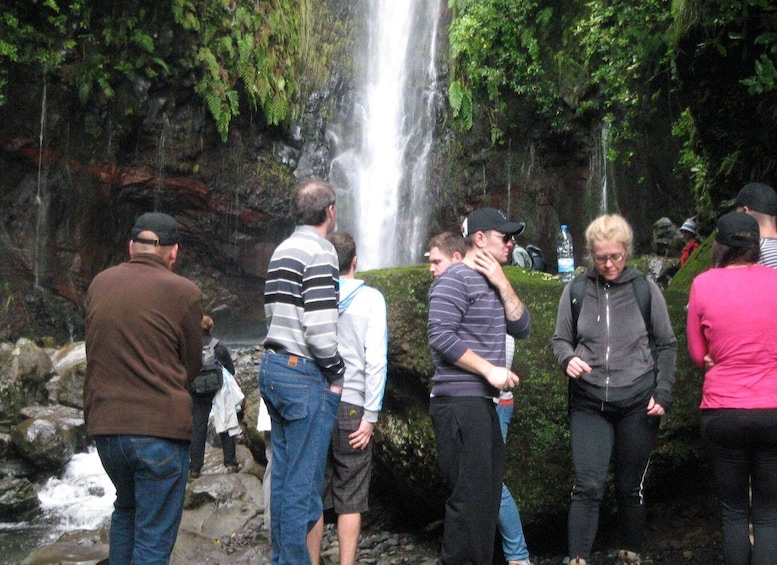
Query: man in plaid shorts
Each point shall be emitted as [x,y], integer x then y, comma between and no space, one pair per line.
[362,337]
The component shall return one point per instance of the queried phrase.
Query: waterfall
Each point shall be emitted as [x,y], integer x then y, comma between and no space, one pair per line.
[81,499]
[382,153]
[600,186]
[40,206]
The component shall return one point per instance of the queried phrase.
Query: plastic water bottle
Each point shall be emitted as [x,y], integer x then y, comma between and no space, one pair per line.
[566,255]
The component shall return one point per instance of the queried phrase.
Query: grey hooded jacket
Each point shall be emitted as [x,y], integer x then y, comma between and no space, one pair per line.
[612,339]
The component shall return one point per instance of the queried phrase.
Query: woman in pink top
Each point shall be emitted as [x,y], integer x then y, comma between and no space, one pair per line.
[732,315]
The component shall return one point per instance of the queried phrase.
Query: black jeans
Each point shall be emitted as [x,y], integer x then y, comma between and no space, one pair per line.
[471,456]
[598,433]
[741,446]
[201,406]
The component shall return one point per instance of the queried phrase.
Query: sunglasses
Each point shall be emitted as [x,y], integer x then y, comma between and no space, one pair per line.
[505,237]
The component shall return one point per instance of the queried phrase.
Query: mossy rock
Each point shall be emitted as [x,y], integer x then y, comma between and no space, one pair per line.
[539,468]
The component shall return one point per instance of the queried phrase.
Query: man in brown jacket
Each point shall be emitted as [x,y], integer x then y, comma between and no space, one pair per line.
[143,347]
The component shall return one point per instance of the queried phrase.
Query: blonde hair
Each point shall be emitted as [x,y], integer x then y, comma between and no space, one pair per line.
[612,228]
[207,324]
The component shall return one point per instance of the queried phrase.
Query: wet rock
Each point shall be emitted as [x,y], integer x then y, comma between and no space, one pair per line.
[23,379]
[77,547]
[18,499]
[49,436]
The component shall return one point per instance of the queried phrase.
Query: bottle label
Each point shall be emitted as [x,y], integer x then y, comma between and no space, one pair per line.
[566,265]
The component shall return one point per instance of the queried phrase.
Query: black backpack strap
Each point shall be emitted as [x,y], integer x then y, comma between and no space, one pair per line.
[576,295]
[642,295]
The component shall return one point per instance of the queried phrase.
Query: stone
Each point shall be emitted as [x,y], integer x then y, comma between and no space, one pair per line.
[18,499]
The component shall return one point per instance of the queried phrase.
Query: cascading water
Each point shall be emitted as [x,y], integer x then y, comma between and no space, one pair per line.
[82,498]
[382,159]
[600,186]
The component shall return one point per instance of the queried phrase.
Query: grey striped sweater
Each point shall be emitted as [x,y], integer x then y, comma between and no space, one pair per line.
[300,301]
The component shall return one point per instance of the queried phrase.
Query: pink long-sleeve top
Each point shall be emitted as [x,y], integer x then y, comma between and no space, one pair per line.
[732,316]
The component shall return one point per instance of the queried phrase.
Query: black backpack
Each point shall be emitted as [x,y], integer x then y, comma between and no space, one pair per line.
[537,257]
[210,378]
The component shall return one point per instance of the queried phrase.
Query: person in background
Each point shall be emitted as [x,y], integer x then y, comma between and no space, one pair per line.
[731,314]
[448,248]
[688,230]
[264,427]
[471,307]
[616,397]
[363,343]
[760,201]
[202,404]
[143,348]
[444,248]
[521,257]
[301,373]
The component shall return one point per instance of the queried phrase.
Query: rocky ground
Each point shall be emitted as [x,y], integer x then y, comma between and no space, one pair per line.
[684,531]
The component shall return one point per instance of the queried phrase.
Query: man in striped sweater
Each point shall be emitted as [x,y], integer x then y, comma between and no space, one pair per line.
[759,200]
[301,375]
[471,307]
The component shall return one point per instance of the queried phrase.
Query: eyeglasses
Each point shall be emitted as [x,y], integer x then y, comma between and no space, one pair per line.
[505,237]
[615,258]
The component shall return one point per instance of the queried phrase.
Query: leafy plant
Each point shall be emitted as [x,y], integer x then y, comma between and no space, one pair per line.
[593,61]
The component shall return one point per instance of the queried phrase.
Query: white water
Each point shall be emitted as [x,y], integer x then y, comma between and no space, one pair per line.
[82,498]
[382,153]
[600,184]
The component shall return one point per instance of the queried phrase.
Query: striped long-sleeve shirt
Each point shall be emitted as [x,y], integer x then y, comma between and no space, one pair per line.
[465,312]
[300,300]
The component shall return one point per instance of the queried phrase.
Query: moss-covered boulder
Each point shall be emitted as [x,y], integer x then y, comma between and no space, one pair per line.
[539,469]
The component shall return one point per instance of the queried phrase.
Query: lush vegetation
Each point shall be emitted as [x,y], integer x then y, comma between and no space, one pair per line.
[708,66]
[253,54]
[624,62]
[573,60]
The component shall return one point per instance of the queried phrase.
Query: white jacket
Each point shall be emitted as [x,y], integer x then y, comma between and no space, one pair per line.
[225,406]
[362,340]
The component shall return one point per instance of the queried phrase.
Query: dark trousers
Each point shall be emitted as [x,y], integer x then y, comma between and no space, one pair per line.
[741,446]
[471,456]
[627,435]
[201,406]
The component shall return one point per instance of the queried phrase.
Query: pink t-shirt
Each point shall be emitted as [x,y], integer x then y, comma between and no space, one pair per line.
[732,315]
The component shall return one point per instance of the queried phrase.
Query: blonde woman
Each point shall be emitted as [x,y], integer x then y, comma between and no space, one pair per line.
[608,321]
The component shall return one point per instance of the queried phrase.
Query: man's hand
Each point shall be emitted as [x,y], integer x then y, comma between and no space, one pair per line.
[491,268]
[487,264]
[502,378]
[336,389]
[577,367]
[708,362]
[360,439]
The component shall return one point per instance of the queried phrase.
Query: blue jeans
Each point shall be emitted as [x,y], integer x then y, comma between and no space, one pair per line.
[742,449]
[510,526]
[303,411]
[149,474]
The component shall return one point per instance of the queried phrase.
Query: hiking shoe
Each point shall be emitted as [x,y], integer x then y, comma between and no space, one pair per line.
[233,468]
[626,557]
[574,561]
[521,562]
[194,474]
